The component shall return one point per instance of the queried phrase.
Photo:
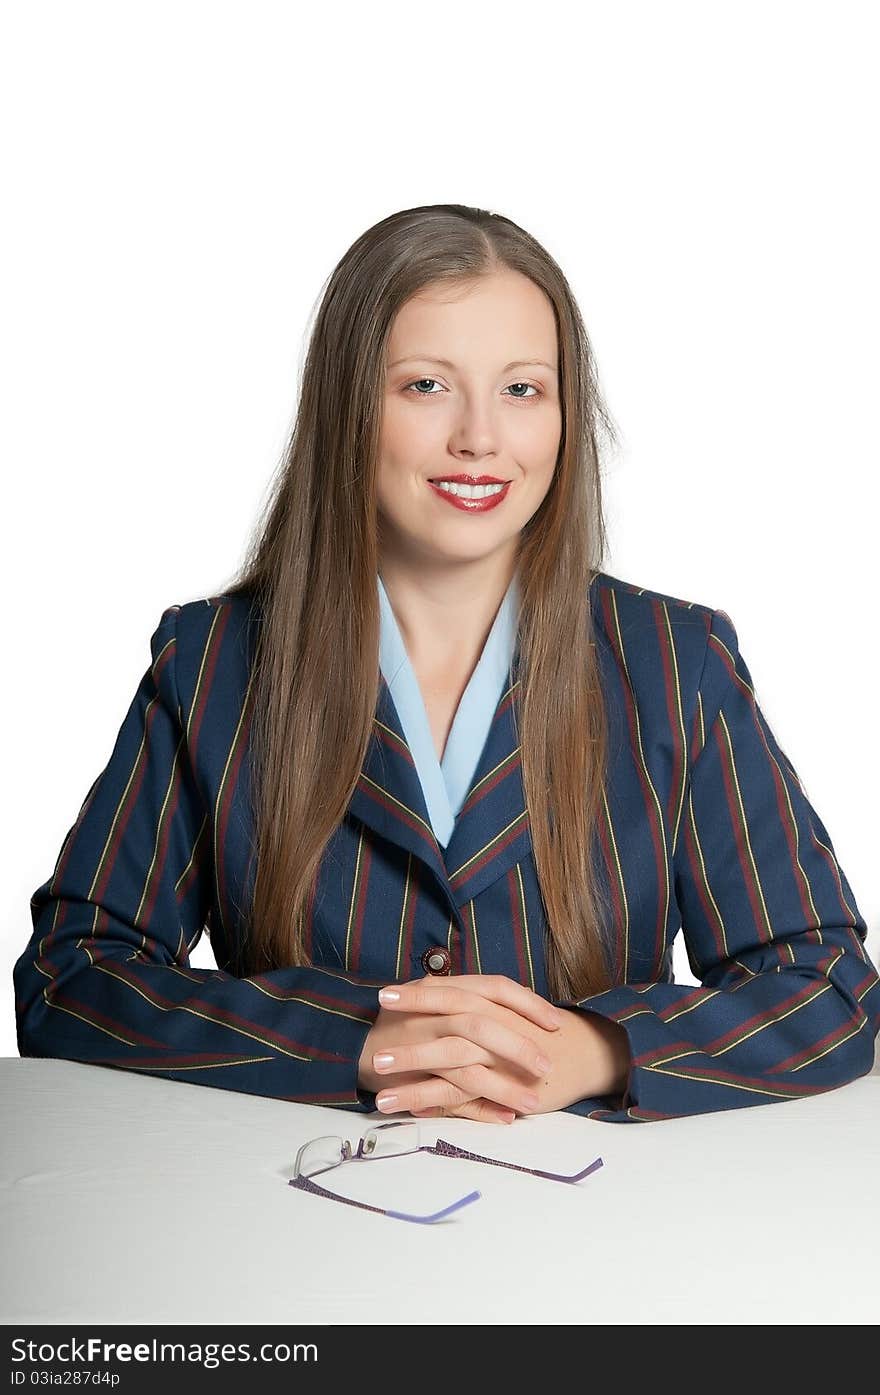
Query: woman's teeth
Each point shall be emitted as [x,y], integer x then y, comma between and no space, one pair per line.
[468,491]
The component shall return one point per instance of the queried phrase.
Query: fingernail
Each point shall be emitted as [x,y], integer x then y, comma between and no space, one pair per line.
[543,1063]
[381,1062]
[531,1101]
[386,1101]
[389,995]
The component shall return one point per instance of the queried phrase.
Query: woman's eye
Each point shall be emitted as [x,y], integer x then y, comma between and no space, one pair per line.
[418,382]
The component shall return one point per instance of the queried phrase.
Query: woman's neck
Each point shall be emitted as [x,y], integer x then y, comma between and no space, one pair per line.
[445,616]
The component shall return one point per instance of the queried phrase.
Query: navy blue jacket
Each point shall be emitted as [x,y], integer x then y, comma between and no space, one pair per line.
[706,829]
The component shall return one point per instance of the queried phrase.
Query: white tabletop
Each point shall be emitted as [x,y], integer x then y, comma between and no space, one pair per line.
[129,1198]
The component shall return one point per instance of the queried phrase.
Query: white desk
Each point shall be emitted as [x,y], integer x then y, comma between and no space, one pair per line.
[133,1199]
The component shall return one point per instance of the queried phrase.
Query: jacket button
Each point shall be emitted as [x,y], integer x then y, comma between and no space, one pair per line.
[436,960]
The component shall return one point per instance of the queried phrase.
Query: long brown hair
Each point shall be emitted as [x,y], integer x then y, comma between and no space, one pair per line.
[312,565]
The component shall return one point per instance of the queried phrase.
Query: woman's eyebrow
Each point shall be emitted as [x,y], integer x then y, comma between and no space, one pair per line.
[445,363]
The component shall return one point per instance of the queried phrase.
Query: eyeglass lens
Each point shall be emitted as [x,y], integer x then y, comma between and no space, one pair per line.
[323,1153]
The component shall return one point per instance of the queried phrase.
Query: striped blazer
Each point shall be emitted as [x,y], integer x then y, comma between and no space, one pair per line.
[705,828]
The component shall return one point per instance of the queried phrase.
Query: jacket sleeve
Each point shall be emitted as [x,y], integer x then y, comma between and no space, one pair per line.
[789,1002]
[106,977]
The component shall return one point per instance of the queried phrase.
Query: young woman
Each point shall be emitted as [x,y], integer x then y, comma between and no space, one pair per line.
[423,742]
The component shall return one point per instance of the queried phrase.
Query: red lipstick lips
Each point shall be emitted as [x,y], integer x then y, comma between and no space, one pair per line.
[467,479]
[458,501]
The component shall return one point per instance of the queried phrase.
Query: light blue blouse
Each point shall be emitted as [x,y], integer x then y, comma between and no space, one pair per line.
[445,784]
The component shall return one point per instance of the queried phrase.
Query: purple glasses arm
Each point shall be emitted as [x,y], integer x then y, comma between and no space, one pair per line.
[307,1185]
[449,1150]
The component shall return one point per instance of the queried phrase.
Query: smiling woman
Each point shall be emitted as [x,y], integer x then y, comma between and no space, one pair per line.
[424,740]
[474,440]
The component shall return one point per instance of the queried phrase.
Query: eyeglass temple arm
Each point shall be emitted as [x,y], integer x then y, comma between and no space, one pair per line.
[449,1150]
[307,1185]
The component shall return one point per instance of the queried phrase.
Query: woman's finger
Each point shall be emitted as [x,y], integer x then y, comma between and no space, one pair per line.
[473,1039]
[439,1090]
[446,995]
[501,1089]
[483,1110]
[457,1097]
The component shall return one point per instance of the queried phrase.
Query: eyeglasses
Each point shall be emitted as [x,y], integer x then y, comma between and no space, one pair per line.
[390,1141]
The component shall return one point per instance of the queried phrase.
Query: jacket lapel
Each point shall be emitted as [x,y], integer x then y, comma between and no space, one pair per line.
[491,832]
[388,796]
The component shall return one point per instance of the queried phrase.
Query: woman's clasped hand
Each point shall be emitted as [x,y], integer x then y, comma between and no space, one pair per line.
[482,1046]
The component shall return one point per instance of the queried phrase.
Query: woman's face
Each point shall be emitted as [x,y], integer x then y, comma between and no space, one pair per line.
[492,408]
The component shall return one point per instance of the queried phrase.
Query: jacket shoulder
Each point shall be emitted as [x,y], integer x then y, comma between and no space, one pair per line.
[661,645]
[198,616]
[642,601]
[622,609]
[212,642]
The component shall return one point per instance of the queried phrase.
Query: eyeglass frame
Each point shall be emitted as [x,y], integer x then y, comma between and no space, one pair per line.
[442,1148]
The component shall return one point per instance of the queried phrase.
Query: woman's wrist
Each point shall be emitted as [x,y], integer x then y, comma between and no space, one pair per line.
[606,1071]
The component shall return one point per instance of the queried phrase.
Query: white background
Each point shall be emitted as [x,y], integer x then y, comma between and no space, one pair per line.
[180,179]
